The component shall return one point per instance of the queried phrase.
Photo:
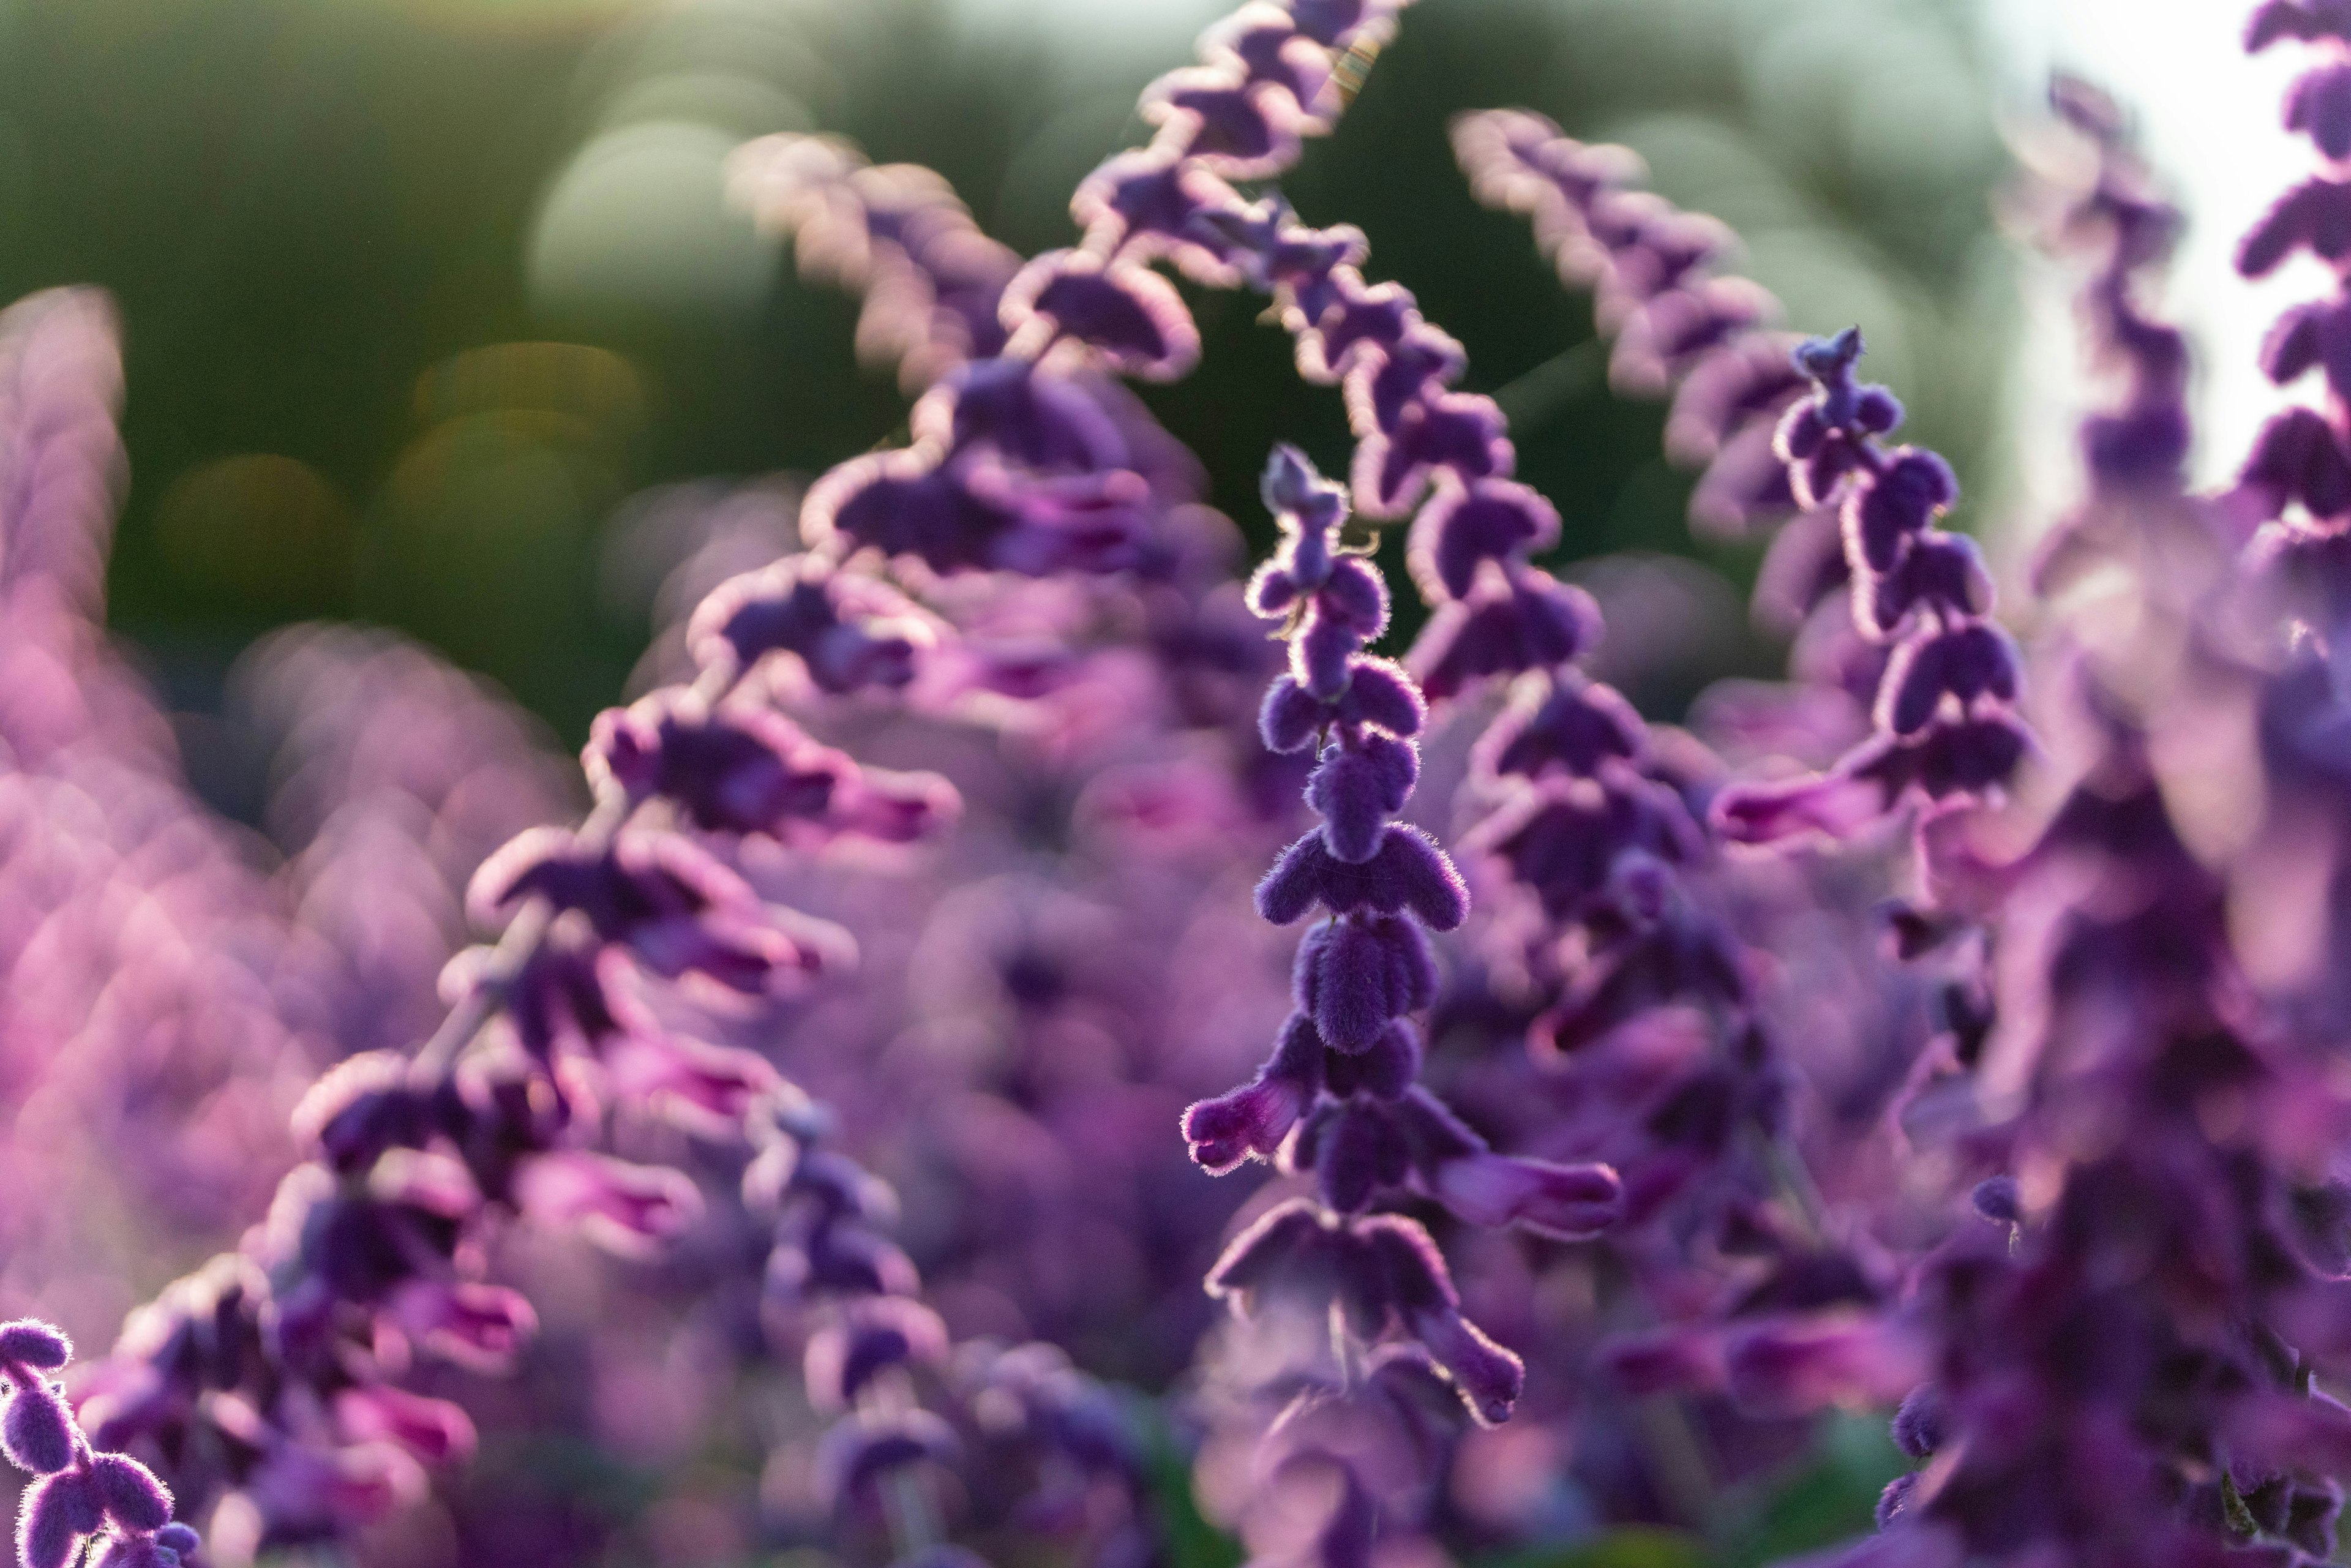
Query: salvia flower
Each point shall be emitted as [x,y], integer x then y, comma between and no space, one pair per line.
[85,1504]
[2143,1306]
[1338,1096]
[1947,731]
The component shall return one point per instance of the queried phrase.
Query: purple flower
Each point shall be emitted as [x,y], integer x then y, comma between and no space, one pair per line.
[1946,734]
[83,1500]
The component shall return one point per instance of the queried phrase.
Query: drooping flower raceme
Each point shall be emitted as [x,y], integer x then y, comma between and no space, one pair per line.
[1338,1095]
[2153,1303]
[1945,716]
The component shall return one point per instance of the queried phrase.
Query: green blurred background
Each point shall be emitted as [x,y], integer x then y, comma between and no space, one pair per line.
[418,292]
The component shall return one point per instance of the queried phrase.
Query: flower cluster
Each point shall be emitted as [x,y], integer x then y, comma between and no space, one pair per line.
[2066,1168]
[1338,1094]
[2153,1306]
[1784,426]
[87,1505]
[1947,732]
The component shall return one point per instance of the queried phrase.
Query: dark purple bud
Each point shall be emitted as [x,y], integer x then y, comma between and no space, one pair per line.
[1155,202]
[1356,788]
[1969,757]
[1413,1282]
[1385,1070]
[56,1512]
[1662,336]
[1251,1122]
[130,1492]
[1534,622]
[29,1343]
[1941,571]
[836,1186]
[1035,418]
[180,1538]
[2296,342]
[1293,488]
[1408,1273]
[1128,314]
[1362,321]
[362,1108]
[1355,975]
[1380,694]
[1356,594]
[1273,588]
[847,632]
[1323,654]
[671,903]
[36,1429]
[1564,722]
[1408,872]
[1998,1200]
[1240,129]
[1418,366]
[2298,457]
[1830,361]
[870,1337]
[2319,105]
[1964,664]
[1818,455]
[1460,433]
[1290,716]
[1488,1377]
[1923,1424]
[2314,215]
[1357,1153]
[1895,1498]
[1462,524]
[1892,505]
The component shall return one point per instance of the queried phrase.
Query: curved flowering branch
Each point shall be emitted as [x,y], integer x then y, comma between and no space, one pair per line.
[881,1364]
[2138,447]
[2295,486]
[268,1377]
[2155,1306]
[1012,465]
[1679,324]
[1946,731]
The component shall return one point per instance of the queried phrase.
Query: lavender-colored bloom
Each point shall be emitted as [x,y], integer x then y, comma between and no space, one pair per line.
[85,1500]
[1947,731]
[1338,1097]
